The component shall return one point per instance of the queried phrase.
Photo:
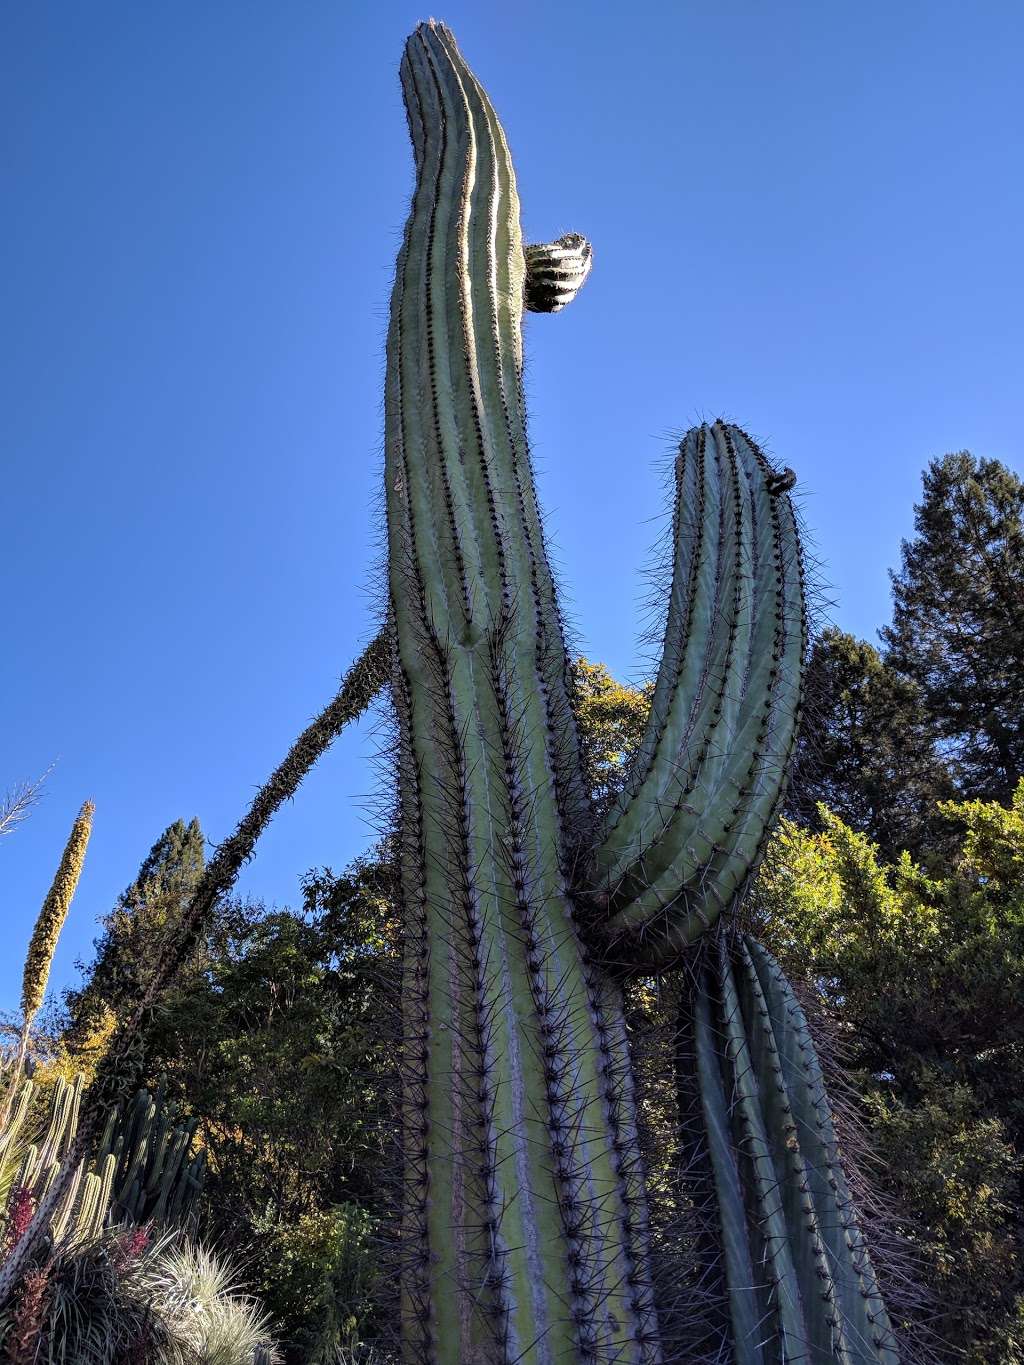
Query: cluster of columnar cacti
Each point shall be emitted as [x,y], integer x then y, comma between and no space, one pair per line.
[158,1175]
[143,1171]
[525,1225]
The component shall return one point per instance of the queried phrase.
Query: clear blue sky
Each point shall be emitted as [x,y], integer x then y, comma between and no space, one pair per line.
[806,216]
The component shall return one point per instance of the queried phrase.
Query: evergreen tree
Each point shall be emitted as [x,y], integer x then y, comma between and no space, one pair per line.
[867,750]
[132,931]
[958,618]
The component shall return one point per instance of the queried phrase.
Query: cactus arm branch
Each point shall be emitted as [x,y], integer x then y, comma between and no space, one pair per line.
[782,1198]
[866,1321]
[712,765]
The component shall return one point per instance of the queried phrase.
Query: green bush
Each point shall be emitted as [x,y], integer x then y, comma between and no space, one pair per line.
[319,1282]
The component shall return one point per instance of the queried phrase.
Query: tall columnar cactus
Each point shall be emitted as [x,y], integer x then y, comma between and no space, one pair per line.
[524,1219]
[525,1215]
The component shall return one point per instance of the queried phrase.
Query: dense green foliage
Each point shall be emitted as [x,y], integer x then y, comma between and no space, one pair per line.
[277,1040]
[922,975]
[281,1044]
[867,749]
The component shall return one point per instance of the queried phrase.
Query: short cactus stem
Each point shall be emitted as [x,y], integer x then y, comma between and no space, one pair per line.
[556,272]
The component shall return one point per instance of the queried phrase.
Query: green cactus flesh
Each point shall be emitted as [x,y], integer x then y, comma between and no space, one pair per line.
[800,1281]
[524,1216]
[144,1170]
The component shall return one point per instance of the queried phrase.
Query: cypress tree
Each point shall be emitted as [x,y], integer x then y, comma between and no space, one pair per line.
[868,750]
[958,619]
[141,918]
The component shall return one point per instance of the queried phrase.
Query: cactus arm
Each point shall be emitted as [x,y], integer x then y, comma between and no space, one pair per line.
[65,1209]
[556,272]
[746,1310]
[764,1194]
[782,1197]
[862,1309]
[711,768]
[520,1221]
[825,1329]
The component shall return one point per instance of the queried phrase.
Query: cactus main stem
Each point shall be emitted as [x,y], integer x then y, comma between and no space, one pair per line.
[524,1214]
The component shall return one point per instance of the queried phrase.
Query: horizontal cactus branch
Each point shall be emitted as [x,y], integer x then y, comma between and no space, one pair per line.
[800,1282]
[682,840]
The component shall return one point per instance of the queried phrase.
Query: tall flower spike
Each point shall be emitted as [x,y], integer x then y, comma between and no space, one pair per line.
[54,912]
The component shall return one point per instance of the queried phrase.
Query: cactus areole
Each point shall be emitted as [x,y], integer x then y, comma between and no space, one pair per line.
[524,1217]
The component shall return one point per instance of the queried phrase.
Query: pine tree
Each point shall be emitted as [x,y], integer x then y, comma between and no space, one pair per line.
[958,618]
[867,750]
[141,917]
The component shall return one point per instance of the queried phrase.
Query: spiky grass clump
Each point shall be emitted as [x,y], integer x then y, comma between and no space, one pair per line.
[204,1314]
[128,1298]
[81,1304]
